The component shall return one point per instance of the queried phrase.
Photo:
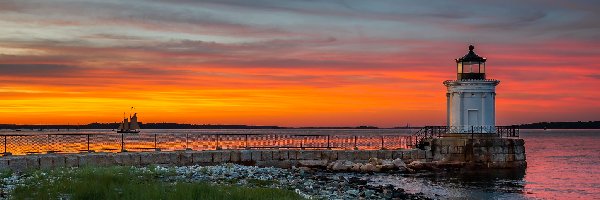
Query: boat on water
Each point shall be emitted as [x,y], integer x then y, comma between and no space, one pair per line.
[129,125]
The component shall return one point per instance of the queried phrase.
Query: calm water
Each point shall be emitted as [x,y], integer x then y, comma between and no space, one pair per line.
[562,164]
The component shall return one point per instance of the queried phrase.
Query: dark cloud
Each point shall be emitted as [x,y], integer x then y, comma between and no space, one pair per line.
[37,70]
[594,76]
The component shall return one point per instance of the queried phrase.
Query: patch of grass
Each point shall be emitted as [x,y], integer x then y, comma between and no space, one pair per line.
[5,173]
[261,183]
[130,183]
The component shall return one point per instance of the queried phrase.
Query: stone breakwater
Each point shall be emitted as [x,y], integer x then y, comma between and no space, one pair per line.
[446,152]
[261,158]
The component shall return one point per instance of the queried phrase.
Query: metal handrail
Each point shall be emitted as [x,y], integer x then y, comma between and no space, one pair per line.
[429,132]
[111,142]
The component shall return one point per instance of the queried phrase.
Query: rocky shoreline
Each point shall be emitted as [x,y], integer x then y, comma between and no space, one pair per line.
[339,180]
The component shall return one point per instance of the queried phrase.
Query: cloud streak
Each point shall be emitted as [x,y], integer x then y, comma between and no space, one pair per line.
[292,62]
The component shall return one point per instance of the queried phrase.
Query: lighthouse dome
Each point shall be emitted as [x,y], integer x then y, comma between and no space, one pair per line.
[470,66]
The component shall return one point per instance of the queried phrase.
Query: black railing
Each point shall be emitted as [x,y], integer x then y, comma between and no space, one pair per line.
[428,132]
[19,144]
[507,131]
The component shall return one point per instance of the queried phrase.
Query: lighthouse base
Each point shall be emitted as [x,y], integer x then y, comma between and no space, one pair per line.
[478,151]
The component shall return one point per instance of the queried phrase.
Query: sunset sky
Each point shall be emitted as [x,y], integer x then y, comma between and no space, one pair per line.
[292,63]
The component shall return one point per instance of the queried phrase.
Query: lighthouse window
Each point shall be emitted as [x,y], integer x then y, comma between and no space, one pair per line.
[468,68]
[475,68]
[460,67]
[482,68]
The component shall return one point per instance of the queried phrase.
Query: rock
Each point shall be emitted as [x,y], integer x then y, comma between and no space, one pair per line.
[313,163]
[353,193]
[378,168]
[356,167]
[418,165]
[330,165]
[367,168]
[375,161]
[369,193]
[387,165]
[399,194]
[400,165]
[341,165]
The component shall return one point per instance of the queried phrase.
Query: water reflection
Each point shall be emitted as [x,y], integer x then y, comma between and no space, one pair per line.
[562,164]
[466,184]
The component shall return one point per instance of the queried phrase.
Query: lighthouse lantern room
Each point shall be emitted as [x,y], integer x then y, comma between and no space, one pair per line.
[471,97]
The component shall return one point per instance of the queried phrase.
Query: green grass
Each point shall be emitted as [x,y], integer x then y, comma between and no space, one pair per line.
[127,183]
[5,173]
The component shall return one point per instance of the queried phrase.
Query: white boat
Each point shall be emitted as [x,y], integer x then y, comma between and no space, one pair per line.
[129,125]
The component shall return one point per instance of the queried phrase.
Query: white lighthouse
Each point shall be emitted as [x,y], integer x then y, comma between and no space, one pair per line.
[471,97]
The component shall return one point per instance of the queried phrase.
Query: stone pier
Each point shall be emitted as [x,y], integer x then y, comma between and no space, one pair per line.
[477,151]
[264,158]
[449,151]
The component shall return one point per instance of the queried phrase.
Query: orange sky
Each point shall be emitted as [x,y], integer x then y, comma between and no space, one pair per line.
[288,64]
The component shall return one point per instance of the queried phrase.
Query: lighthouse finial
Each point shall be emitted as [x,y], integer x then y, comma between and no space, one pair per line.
[471,47]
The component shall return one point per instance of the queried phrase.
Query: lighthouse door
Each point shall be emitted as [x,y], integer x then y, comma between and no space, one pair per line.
[473,118]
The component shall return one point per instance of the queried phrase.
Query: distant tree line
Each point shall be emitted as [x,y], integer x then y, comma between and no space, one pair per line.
[165,125]
[562,125]
[142,125]
[538,125]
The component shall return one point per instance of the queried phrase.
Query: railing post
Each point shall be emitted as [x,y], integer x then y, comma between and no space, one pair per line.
[5,144]
[355,138]
[48,145]
[186,142]
[328,147]
[88,142]
[414,143]
[156,144]
[217,147]
[382,148]
[246,141]
[122,142]
[302,143]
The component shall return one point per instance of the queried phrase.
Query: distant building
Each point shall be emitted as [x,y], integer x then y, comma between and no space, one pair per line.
[471,97]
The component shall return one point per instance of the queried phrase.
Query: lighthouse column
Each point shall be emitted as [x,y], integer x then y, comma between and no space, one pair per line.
[448,96]
[472,138]
[471,97]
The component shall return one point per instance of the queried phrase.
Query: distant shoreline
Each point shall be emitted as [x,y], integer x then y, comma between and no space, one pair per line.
[538,125]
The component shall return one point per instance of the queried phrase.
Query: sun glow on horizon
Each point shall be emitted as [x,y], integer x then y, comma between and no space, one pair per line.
[289,64]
